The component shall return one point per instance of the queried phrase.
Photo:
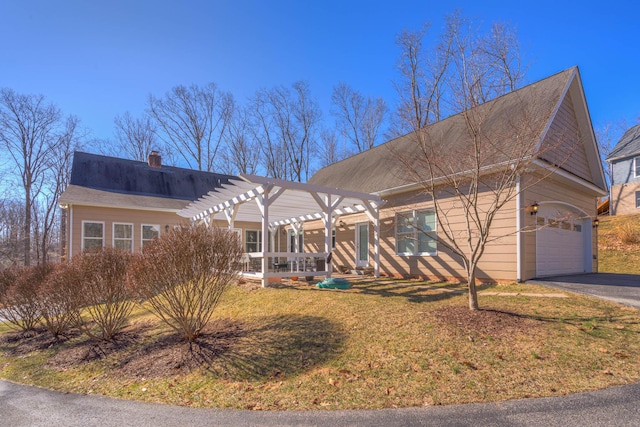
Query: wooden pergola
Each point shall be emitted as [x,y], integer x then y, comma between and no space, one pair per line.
[274,202]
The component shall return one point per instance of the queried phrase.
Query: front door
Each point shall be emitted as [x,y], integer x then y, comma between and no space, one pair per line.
[362,244]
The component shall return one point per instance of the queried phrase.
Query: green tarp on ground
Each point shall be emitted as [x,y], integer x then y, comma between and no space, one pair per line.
[334,283]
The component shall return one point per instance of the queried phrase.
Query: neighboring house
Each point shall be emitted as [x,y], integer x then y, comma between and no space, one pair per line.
[126,203]
[624,161]
[559,239]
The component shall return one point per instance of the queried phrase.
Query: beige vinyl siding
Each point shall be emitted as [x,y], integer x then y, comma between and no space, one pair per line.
[498,262]
[624,198]
[109,216]
[550,191]
[564,145]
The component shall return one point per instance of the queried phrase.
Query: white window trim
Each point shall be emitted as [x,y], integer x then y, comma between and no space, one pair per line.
[95,238]
[435,231]
[142,239]
[260,239]
[334,241]
[113,234]
[300,241]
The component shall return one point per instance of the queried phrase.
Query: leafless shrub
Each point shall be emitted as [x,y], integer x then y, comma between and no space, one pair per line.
[21,298]
[627,234]
[184,273]
[104,289]
[60,299]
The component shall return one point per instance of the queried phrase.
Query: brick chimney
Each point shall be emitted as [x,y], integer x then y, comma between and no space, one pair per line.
[155,160]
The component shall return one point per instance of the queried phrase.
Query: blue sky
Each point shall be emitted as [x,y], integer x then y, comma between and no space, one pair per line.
[98,59]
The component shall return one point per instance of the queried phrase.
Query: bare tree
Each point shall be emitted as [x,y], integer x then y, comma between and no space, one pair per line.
[242,151]
[285,124]
[58,177]
[136,136]
[469,167]
[193,121]
[11,232]
[358,118]
[329,150]
[32,131]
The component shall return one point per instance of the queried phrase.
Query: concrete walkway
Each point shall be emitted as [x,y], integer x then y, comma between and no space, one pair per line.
[619,288]
[29,406]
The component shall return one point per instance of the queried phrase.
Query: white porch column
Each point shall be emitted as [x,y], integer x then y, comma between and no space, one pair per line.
[327,218]
[265,233]
[263,201]
[374,216]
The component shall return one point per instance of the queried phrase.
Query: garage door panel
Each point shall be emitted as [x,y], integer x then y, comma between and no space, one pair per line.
[560,243]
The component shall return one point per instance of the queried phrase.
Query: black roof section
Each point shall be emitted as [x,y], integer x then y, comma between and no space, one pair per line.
[629,144]
[138,178]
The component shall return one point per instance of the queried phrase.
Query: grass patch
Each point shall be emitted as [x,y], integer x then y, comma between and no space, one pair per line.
[378,345]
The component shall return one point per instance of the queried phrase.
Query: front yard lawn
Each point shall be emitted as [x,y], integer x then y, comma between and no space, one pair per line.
[381,344]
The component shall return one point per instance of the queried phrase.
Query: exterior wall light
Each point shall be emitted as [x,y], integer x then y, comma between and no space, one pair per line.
[342,224]
[533,209]
[595,223]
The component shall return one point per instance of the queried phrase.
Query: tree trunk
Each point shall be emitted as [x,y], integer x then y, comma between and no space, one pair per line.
[473,293]
[27,226]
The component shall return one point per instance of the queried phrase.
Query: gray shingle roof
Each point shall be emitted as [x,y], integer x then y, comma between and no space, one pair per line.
[501,120]
[133,178]
[629,144]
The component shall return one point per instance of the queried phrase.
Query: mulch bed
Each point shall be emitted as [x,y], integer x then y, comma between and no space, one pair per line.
[485,323]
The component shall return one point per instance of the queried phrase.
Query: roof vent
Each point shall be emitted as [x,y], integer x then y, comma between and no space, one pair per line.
[155,160]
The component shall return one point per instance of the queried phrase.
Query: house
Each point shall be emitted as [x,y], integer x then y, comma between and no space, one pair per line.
[624,162]
[126,203]
[546,230]
[369,212]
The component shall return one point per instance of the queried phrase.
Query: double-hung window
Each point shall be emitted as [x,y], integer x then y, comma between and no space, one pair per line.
[416,232]
[92,235]
[636,167]
[123,236]
[637,199]
[149,232]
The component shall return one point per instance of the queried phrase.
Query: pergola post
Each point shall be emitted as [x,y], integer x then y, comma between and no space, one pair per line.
[328,223]
[374,217]
[263,204]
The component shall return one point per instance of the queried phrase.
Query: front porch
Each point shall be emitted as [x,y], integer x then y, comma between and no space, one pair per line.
[284,205]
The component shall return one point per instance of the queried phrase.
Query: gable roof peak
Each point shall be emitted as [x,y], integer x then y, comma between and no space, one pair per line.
[629,144]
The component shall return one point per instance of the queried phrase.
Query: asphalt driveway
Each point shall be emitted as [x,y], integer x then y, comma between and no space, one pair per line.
[620,288]
[29,406]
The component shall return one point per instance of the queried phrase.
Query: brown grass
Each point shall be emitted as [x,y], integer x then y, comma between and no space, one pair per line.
[378,345]
[619,244]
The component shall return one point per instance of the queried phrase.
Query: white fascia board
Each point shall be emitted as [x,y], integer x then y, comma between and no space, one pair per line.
[571,177]
[126,207]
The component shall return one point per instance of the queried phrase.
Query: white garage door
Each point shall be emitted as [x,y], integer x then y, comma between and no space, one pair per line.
[561,241]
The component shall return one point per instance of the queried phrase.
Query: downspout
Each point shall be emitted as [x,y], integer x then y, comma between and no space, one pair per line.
[518,231]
